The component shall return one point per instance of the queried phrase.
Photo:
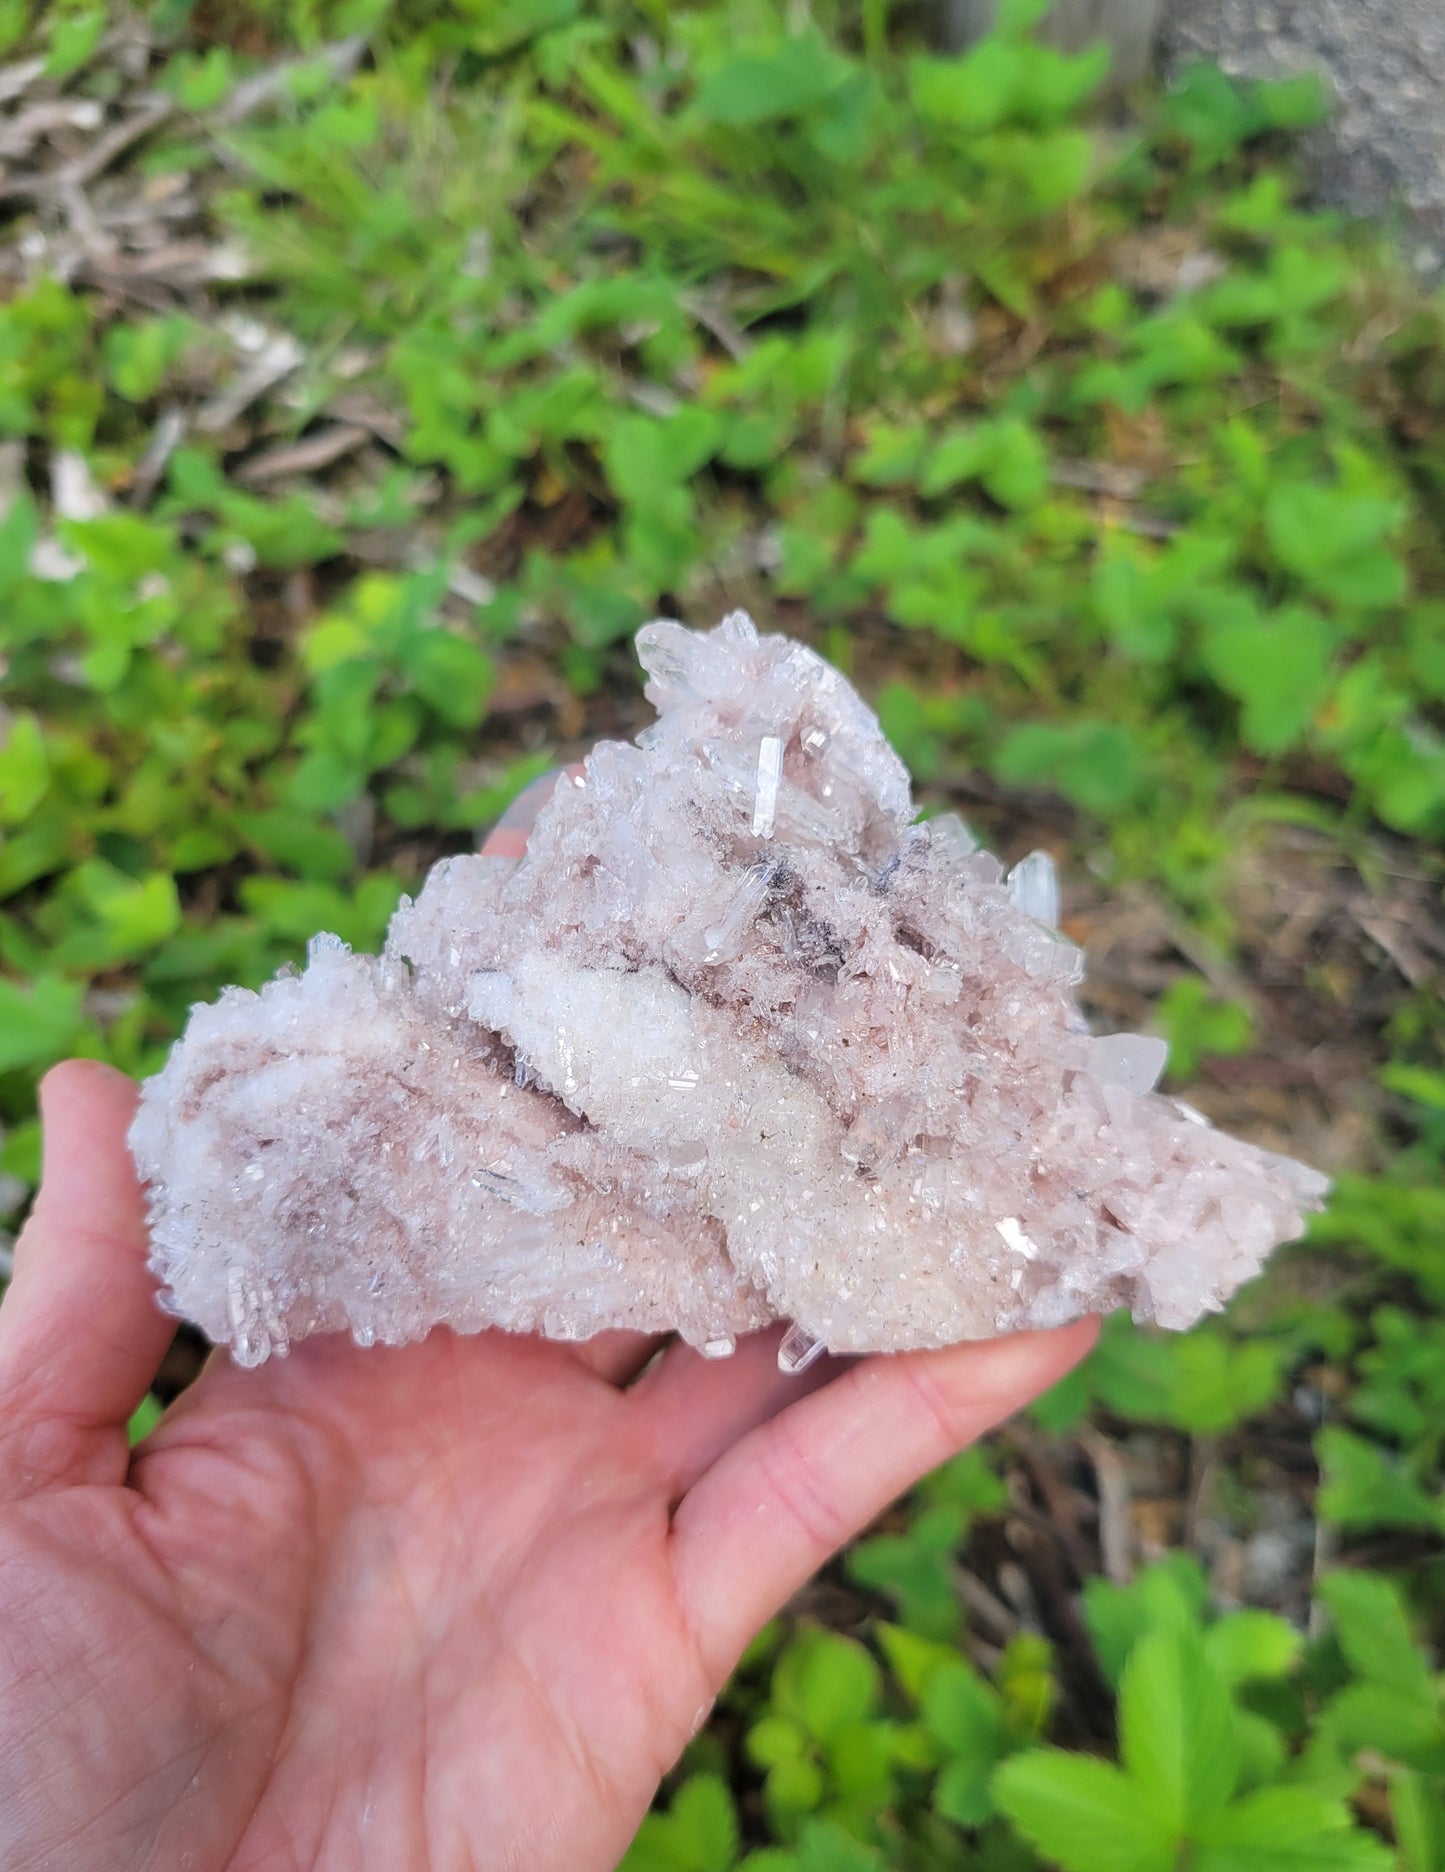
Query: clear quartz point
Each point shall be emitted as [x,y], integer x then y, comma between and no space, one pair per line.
[1033,884]
[1132,1061]
[950,837]
[722,1347]
[798,1351]
[725,936]
[770,774]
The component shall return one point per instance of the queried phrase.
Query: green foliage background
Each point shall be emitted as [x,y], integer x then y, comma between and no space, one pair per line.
[1113,473]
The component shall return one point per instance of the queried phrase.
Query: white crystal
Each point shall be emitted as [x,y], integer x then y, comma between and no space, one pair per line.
[1015,1238]
[798,1350]
[770,774]
[951,836]
[1134,1061]
[1033,884]
[641,1078]
[725,936]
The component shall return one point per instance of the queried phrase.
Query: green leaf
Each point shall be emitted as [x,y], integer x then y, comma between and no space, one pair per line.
[138,357]
[963,1711]
[454,676]
[825,1847]
[827,1681]
[1083,1813]
[298,842]
[1417,1809]
[1095,763]
[1293,103]
[1007,457]
[960,456]
[651,1848]
[1017,471]
[146,1416]
[861,1760]
[1176,1728]
[645,455]
[503,25]
[1287,1829]
[1415,1082]
[19,528]
[20,1152]
[1139,624]
[1363,1487]
[751,89]
[296,911]
[913,1659]
[1370,1621]
[794,1786]
[1247,1645]
[891,456]
[1278,667]
[1027,1684]
[774,1738]
[73,39]
[1171,1594]
[39,1021]
[972,94]
[1393,1723]
[1199,1026]
[1331,539]
[200,83]
[1262,1749]
[1216,1381]
[916,1567]
[704,1825]
[138,914]
[969,1481]
[24,770]
[963,1791]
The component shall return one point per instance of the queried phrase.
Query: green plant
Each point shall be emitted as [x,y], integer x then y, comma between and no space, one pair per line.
[1198,1026]
[915,1565]
[824,1745]
[1205,1778]
[1110,469]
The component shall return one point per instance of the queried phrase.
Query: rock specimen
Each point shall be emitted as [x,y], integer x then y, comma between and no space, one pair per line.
[734,1041]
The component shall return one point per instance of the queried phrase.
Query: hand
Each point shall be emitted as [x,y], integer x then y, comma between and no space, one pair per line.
[456,1604]
[452,1605]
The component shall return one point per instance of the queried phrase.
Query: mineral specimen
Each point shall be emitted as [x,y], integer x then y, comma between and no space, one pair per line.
[734,1041]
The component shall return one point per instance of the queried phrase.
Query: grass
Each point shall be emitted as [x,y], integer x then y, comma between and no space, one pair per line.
[357,410]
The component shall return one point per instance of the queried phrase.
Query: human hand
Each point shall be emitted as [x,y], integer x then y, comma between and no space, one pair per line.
[450,1605]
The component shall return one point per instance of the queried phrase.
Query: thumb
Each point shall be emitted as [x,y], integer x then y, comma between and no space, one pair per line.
[81,1335]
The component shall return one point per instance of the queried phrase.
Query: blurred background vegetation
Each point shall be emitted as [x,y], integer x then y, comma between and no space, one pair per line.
[369,372]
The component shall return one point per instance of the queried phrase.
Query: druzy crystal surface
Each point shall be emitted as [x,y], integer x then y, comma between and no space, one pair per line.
[736,1040]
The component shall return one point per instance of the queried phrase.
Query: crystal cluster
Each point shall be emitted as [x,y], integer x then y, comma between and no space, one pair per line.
[734,1041]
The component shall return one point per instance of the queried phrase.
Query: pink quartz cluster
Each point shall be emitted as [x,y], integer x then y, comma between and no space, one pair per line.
[735,1041]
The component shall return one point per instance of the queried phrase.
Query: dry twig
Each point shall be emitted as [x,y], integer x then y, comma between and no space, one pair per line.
[1116,1541]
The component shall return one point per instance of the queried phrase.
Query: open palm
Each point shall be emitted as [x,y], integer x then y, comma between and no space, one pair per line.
[453,1605]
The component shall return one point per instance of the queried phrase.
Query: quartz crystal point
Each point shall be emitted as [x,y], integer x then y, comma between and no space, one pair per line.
[734,1041]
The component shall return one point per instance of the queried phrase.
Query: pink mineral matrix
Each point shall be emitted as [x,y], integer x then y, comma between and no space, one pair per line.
[733,1041]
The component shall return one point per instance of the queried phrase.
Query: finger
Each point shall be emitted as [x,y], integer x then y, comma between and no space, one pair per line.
[618,1356]
[698,1407]
[793,1491]
[81,1336]
[508,837]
